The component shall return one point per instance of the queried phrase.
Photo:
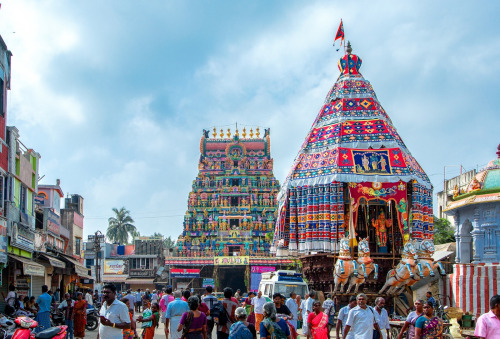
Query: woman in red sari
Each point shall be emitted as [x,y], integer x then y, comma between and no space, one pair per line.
[79,316]
[317,323]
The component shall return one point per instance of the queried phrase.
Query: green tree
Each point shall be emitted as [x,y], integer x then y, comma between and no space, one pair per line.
[120,226]
[168,243]
[443,231]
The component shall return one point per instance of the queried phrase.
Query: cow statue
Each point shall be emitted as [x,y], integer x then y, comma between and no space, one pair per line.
[344,266]
[399,276]
[425,263]
[365,268]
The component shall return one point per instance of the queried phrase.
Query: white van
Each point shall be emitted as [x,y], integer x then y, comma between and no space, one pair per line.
[284,282]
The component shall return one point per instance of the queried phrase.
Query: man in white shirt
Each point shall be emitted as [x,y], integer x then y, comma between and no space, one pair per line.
[329,310]
[361,320]
[303,311]
[258,308]
[308,308]
[343,313]
[88,298]
[114,315]
[291,303]
[383,322]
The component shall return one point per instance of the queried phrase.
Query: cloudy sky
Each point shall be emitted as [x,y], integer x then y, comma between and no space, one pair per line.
[115,94]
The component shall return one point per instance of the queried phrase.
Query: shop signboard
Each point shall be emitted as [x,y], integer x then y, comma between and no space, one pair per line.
[208,282]
[3,241]
[262,269]
[236,260]
[53,221]
[184,273]
[114,266]
[30,269]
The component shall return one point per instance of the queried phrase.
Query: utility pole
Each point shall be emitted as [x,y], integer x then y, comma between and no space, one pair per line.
[97,250]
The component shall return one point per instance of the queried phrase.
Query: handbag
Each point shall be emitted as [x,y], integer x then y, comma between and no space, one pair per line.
[187,325]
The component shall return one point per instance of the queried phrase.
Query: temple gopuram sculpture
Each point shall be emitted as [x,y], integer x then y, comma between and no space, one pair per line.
[353,178]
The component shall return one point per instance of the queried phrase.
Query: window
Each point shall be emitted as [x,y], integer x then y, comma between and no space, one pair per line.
[77,245]
[235,182]
[89,263]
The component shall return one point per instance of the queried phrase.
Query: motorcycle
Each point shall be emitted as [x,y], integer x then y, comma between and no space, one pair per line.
[92,318]
[56,317]
[7,327]
[25,330]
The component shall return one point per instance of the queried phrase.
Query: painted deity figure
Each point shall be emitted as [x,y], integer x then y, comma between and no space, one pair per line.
[366,163]
[381,225]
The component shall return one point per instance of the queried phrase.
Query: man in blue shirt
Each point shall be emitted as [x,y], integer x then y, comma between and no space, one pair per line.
[43,305]
[431,299]
[175,310]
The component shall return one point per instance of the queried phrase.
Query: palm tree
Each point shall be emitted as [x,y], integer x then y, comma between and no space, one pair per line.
[120,226]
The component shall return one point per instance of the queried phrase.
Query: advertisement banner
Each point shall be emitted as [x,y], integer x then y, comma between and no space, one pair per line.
[262,269]
[184,273]
[114,266]
[208,282]
[241,260]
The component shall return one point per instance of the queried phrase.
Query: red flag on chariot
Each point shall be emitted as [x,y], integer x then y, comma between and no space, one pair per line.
[340,34]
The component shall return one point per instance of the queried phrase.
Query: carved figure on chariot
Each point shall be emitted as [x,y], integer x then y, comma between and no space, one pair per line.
[353,271]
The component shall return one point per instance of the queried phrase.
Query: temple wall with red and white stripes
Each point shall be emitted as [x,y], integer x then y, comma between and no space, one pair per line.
[470,287]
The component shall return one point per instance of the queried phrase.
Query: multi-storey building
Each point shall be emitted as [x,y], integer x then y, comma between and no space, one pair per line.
[145,262]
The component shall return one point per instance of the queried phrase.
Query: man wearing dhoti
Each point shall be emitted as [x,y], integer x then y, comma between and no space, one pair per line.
[175,310]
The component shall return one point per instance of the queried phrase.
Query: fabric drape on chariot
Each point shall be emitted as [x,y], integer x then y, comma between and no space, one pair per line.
[311,219]
[422,213]
[387,191]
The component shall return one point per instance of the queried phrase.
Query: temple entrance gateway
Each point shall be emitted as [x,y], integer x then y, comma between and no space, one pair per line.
[232,276]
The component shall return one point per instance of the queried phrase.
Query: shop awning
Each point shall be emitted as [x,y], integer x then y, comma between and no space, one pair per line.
[114,278]
[440,255]
[29,267]
[85,276]
[79,268]
[138,281]
[53,261]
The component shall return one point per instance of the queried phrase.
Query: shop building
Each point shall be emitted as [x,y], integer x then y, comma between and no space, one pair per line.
[22,186]
[143,265]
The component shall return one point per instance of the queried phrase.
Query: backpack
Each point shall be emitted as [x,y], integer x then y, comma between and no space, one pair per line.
[219,311]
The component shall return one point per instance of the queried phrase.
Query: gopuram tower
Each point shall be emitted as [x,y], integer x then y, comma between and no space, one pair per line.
[231,215]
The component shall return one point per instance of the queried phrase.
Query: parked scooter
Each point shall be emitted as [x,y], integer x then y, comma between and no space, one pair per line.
[26,326]
[92,318]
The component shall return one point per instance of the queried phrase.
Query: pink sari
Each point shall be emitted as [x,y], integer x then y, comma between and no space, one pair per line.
[319,328]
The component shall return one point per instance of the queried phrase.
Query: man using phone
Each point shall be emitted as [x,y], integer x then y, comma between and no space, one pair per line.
[114,315]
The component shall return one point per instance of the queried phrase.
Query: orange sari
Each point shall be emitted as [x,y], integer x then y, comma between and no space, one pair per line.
[319,328]
[80,318]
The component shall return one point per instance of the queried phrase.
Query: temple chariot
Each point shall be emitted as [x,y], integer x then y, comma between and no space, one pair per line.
[356,207]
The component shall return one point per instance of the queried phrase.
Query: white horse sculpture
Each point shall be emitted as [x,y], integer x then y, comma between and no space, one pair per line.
[399,276]
[344,265]
[365,268]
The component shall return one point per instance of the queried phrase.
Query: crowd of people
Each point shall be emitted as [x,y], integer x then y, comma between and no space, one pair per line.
[190,316]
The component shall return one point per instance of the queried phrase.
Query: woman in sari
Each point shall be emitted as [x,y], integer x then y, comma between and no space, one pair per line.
[150,319]
[129,333]
[249,308]
[317,323]
[411,320]
[428,326]
[242,329]
[193,324]
[272,326]
[79,316]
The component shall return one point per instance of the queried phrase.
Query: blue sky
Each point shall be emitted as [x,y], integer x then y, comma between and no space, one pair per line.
[115,94]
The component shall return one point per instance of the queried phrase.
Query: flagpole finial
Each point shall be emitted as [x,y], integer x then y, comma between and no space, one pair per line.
[349,48]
